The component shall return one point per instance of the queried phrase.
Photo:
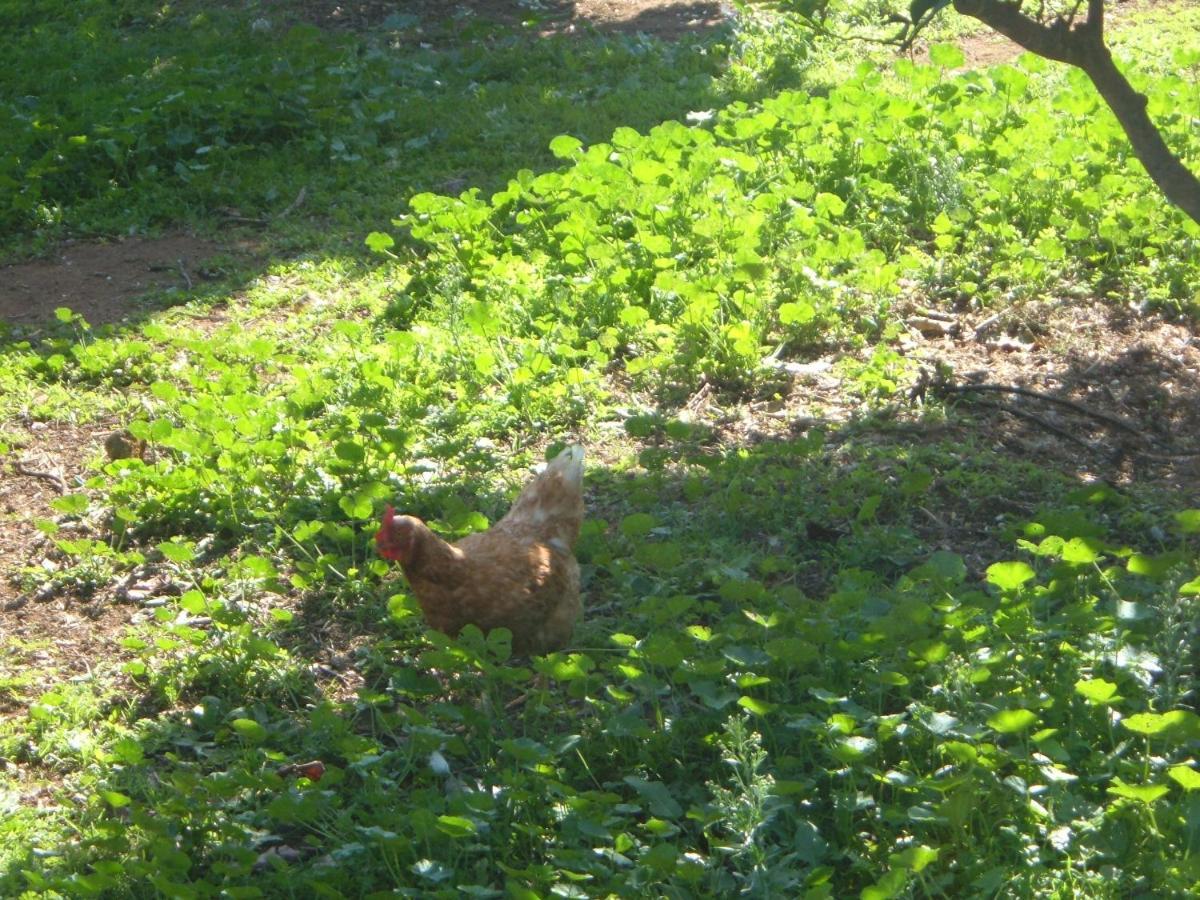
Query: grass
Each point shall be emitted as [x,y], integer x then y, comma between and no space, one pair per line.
[187,110]
[826,654]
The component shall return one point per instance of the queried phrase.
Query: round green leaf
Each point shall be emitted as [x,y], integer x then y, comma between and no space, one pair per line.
[758,707]
[564,146]
[177,552]
[1188,521]
[637,525]
[948,56]
[1081,550]
[249,730]
[350,452]
[1009,576]
[193,601]
[1011,721]
[797,313]
[914,858]
[1185,776]
[379,242]
[1181,724]
[456,826]
[1097,690]
[115,799]
[1142,793]
[71,504]
[853,749]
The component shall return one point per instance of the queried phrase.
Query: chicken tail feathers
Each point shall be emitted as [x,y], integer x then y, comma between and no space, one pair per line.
[552,504]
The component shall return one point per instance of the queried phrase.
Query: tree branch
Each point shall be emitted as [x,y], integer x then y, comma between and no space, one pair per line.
[1082,46]
[1095,19]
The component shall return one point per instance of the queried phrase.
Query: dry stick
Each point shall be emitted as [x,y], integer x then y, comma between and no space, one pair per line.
[1115,421]
[22,468]
[247,220]
[983,326]
[291,206]
[263,222]
[1049,426]
[1033,417]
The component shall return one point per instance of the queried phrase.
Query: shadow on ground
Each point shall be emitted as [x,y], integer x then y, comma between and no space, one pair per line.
[108,283]
[669,19]
[751,503]
[735,516]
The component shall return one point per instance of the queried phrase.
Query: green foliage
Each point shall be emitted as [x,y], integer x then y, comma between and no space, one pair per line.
[919,710]
[784,686]
[695,251]
[145,114]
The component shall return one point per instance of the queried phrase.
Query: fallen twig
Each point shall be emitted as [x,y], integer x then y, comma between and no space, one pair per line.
[933,518]
[187,279]
[1097,414]
[231,216]
[1036,419]
[291,206]
[22,468]
[17,603]
[983,327]
[1167,457]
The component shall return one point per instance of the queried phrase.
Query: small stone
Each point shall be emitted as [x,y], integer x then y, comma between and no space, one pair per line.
[123,445]
[931,327]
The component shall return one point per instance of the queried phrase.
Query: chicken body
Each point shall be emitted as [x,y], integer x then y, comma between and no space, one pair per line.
[521,574]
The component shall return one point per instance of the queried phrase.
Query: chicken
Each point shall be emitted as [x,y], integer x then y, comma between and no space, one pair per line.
[521,574]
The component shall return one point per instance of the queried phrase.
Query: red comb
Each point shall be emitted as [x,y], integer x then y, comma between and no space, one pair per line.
[385,540]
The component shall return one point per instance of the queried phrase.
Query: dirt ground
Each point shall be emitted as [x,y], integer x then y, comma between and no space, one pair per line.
[1104,394]
[103,282]
[664,18]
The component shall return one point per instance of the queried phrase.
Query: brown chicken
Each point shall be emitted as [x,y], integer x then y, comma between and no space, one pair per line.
[521,574]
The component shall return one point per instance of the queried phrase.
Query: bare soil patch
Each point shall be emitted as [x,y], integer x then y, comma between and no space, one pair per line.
[55,635]
[1113,399]
[1091,367]
[49,459]
[103,282]
[1121,390]
[668,19]
[990,48]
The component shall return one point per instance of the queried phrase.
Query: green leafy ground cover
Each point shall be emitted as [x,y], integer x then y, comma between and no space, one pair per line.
[785,685]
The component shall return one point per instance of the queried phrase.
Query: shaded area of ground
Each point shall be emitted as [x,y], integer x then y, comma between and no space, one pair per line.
[1115,365]
[1121,390]
[1134,381]
[103,282]
[1093,394]
[668,19]
[47,461]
